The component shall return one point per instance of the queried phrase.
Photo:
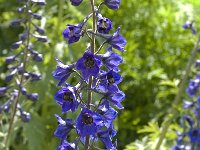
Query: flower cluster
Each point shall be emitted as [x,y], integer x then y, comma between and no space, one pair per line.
[18,62]
[99,75]
[190,138]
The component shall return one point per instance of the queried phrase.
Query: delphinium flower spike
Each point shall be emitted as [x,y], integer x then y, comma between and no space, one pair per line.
[98,74]
[19,76]
[189,139]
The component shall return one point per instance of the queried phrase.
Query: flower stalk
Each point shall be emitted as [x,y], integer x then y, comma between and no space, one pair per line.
[20,67]
[173,111]
[95,120]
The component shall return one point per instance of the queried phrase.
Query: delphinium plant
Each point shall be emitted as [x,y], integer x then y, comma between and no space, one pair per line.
[14,94]
[189,139]
[96,96]
[191,134]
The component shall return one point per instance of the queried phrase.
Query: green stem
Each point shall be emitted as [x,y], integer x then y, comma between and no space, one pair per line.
[87,141]
[21,81]
[177,99]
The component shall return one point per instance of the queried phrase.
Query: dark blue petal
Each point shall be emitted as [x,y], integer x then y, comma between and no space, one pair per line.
[117,41]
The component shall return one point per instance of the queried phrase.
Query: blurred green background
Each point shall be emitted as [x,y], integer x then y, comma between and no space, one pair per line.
[156,54]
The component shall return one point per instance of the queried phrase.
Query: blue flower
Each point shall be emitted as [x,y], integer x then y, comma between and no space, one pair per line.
[117,41]
[89,64]
[111,60]
[62,72]
[64,127]
[88,122]
[67,99]
[190,25]
[106,137]
[76,2]
[72,33]
[193,86]
[115,98]
[67,146]
[112,4]
[109,81]
[107,113]
[104,25]
[194,135]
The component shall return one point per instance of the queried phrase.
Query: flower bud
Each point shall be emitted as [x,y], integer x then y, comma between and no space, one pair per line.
[40,30]
[23,36]
[16,22]
[10,59]
[76,2]
[33,96]
[36,16]
[3,90]
[21,9]
[23,89]
[25,116]
[40,38]
[34,77]
[112,4]
[16,45]
[39,2]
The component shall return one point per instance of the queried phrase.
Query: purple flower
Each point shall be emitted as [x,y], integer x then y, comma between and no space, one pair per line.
[67,99]
[117,41]
[107,113]
[89,64]
[104,25]
[88,123]
[109,81]
[76,2]
[193,86]
[67,146]
[64,127]
[72,33]
[111,59]
[194,135]
[190,25]
[115,98]
[106,137]
[112,4]
[62,72]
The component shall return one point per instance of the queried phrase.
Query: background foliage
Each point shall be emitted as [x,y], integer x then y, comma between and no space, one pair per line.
[155,57]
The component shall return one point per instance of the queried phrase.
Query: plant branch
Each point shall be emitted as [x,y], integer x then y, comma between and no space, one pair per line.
[87,141]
